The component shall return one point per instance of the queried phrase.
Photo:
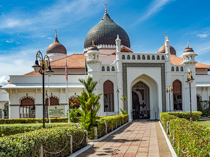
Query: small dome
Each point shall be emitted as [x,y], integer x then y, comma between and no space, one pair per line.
[105,33]
[56,47]
[93,47]
[188,49]
[162,50]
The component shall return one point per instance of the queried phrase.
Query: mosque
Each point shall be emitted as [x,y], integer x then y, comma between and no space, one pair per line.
[151,82]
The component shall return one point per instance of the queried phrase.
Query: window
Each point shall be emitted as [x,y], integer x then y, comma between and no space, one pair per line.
[113,69]
[27,108]
[148,57]
[153,57]
[103,69]
[123,57]
[108,96]
[172,68]
[143,57]
[133,57]
[177,95]
[182,69]
[108,68]
[138,57]
[158,57]
[163,58]
[128,57]
[177,68]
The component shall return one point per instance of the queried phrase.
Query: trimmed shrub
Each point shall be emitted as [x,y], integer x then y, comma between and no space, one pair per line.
[32,120]
[53,140]
[196,115]
[11,129]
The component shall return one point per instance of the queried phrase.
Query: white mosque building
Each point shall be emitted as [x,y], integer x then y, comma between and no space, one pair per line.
[142,78]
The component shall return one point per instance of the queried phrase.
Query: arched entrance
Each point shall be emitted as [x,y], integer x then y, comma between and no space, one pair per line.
[140,101]
[27,108]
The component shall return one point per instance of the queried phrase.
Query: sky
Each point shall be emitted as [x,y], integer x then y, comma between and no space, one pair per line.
[29,26]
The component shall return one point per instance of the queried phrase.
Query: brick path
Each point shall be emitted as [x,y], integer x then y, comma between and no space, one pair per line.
[139,139]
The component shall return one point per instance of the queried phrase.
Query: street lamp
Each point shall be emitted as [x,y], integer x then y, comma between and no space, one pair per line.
[169,90]
[190,80]
[42,68]
[118,100]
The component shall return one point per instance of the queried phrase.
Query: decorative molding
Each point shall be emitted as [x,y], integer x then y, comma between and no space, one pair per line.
[124,76]
[25,97]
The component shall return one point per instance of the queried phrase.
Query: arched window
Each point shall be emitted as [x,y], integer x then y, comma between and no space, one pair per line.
[163,58]
[128,57]
[138,57]
[133,57]
[153,57]
[27,108]
[113,69]
[158,57]
[182,69]
[123,57]
[148,57]
[73,103]
[108,96]
[177,68]
[108,68]
[143,57]
[103,69]
[172,68]
[177,95]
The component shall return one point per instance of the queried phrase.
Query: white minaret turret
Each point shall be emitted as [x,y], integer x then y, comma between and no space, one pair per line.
[167,45]
[189,65]
[118,48]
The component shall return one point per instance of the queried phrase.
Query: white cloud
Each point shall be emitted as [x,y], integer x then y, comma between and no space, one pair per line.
[153,8]
[3,80]
[202,35]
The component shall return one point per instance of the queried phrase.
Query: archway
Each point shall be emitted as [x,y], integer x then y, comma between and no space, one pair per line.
[140,101]
[177,95]
[108,88]
[27,108]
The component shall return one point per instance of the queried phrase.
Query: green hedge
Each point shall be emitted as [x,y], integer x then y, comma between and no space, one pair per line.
[53,140]
[196,115]
[109,120]
[32,120]
[11,129]
[187,138]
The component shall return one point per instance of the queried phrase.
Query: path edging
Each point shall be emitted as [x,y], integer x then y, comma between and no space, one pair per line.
[81,150]
[173,153]
[105,136]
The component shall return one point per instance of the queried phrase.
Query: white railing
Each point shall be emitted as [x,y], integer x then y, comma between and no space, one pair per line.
[143,57]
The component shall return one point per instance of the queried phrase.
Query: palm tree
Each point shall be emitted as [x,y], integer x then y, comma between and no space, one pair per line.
[123,99]
[89,103]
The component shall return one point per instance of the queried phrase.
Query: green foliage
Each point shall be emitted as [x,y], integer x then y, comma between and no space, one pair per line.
[204,107]
[32,120]
[123,99]
[195,115]
[123,111]
[53,140]
[11,129]
[89,104]
[187,138]
[73,114]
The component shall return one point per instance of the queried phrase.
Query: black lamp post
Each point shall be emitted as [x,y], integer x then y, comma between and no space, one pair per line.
[190,80]
[169,90]
[42,68]
[118,100]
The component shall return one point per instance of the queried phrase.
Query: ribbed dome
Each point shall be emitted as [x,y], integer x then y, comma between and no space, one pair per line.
[162,50]
[105,32]
[56,47]
[188,49]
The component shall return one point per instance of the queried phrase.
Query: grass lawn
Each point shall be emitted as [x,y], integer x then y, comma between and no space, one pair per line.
[205,123]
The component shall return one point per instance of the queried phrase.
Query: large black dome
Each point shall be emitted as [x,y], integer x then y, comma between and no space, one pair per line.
[105,33]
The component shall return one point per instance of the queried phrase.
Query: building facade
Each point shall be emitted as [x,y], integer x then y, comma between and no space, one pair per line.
[143,78]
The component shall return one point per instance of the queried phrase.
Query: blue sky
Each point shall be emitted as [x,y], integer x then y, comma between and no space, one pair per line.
[28,26]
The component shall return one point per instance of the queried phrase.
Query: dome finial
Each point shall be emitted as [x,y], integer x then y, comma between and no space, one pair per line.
[92,42]
[106,7]
[188,45]
[166,38]
[56,37]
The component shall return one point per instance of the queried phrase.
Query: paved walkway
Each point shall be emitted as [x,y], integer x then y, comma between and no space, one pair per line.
[139,139]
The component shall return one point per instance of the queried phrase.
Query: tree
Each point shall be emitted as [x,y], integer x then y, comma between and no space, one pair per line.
[89,103]
[123,99]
